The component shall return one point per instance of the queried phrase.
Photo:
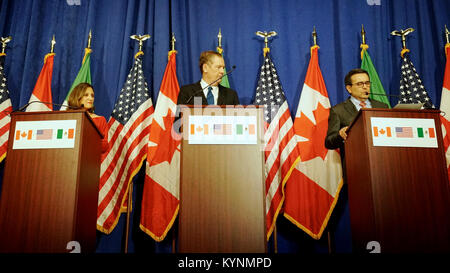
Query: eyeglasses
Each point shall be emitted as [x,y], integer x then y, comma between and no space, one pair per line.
[360,84]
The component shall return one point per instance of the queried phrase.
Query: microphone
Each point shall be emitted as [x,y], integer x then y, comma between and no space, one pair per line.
[386,95]
[21,109]
[218,79]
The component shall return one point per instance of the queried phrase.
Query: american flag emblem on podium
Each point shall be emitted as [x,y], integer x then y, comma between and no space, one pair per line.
[404,131]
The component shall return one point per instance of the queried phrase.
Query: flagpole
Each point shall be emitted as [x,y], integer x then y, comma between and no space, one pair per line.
[4,41]
[174,241]
[363,45]
[314,35]
[275,239]
[52,44]
[129,204]
[89,39]
[266,35]
[330,249]
[219,39]
[447,33]
[403,33]
[140,39]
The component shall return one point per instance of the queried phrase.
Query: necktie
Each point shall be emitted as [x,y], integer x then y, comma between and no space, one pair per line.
[362,104]
[210,96]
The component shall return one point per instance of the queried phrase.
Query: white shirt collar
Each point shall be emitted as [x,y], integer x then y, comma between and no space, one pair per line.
[356,103]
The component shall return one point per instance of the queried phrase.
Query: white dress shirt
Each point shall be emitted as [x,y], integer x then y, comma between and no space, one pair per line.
[356,103]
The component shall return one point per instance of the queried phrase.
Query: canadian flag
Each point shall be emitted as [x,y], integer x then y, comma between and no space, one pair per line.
[445,107]
[42,92]
[160,200]
[315,183]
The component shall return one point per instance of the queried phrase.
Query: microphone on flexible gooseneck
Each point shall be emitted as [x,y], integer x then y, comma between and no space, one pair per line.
[218,79]
[21,109]
[386,95]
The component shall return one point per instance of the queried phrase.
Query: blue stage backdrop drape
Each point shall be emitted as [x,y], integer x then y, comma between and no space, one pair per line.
[195,24]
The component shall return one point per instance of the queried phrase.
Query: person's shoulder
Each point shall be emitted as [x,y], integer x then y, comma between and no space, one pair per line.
[341,104]
[95,116]
[190,86]
[227,89]
[378,104]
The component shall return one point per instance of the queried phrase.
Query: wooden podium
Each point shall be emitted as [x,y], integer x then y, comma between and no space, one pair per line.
[49,195]
[399,197]
[222,192]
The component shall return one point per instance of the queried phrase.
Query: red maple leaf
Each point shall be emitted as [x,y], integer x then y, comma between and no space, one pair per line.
[166,144]
[314,133]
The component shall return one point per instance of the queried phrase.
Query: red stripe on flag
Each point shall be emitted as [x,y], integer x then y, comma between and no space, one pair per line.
[111,220]
[282,144]
[4,129]
[132,166]
[117,150]
[279,170]
[431,132]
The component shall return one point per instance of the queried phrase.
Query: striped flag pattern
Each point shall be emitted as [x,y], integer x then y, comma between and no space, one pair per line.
[281,152]
[445,107]
[5,110]
[42,91]
[160,200]
[127,133]
[313,191]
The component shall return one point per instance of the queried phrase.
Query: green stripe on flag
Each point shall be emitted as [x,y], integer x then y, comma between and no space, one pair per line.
[59,134]
[420,132]
[376,86]
[224,82]
[239,129]
[84,75]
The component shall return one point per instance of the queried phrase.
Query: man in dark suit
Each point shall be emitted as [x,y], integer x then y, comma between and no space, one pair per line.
[357,83]
[212,67]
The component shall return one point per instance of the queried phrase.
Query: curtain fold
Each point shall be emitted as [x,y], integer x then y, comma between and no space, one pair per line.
[196,23]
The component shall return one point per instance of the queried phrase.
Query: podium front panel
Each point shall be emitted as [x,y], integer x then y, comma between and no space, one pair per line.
[49,196]
[399,197]
[222,193]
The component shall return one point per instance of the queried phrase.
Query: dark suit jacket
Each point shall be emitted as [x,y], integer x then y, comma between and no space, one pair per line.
[227,96]
[342,115]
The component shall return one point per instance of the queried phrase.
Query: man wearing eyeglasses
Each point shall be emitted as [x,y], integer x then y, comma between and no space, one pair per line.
[357,83]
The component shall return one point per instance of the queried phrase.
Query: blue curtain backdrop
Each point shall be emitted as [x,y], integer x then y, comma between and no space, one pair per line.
[195,24]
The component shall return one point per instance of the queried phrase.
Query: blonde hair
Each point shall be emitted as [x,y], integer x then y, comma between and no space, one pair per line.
[206,56]
[77,94]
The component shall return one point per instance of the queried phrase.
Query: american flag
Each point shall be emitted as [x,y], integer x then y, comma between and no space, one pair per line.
[411,86]
[281,150]
[128,132]
[404,132]
[6,109]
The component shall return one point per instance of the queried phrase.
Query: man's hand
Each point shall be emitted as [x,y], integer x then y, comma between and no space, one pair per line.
[343,132]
